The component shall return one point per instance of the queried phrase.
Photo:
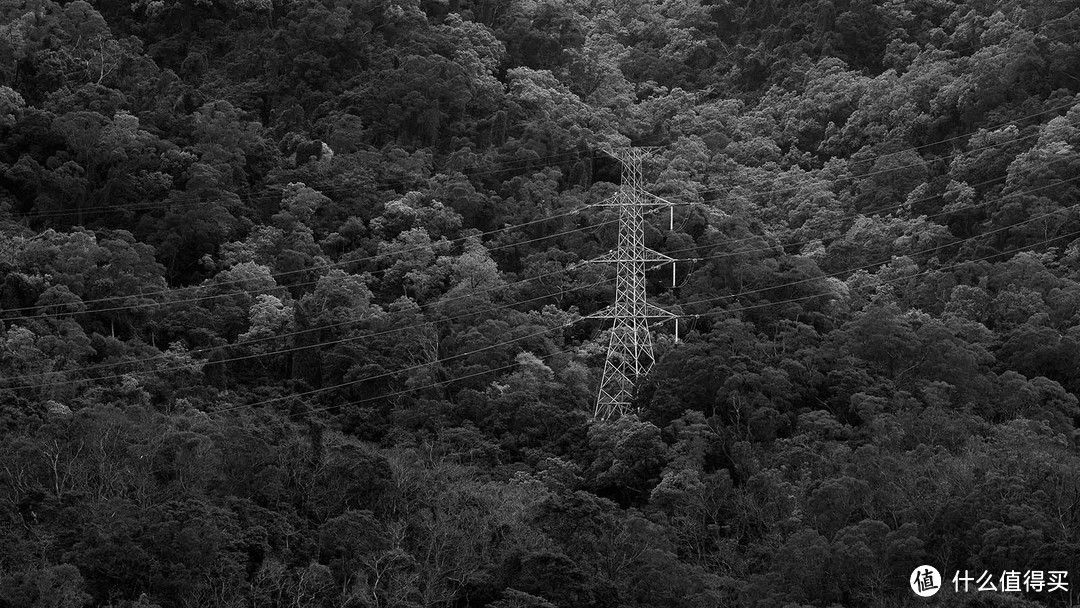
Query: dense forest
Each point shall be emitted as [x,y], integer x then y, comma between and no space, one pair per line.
[293,302]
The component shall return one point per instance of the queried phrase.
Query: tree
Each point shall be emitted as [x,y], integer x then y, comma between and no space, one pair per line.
[60,586]
[628,460]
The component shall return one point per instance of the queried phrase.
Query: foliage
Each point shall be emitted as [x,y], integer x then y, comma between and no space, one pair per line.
[294,315]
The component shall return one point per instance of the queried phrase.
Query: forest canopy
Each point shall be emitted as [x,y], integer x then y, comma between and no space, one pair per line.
[295,310]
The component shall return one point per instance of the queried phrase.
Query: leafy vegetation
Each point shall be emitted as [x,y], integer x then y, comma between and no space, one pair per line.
[292,299]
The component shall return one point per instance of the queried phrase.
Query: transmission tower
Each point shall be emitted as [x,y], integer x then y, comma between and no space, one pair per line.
[630,349]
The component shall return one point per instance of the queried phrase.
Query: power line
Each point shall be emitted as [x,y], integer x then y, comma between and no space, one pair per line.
[565,325]
[375,257]
[684,304]
[301,284]
[559,272]
[286,350]
[514,244]
[527,162]
[304,270]
[889,281]
[267,193]
[925,217]
[413,367]
[466,171]
[268,196]
[760,193]
[568,351]
[878,263]
[401,392]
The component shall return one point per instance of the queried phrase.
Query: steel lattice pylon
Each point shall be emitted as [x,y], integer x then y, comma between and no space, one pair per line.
[630,350]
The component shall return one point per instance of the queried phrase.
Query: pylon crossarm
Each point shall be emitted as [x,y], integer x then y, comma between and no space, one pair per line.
[613,201]
[616,200]
[607,313]
[655,256]
[654,311]
[608,258]
[648,255]
[657,200]
[613,258]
